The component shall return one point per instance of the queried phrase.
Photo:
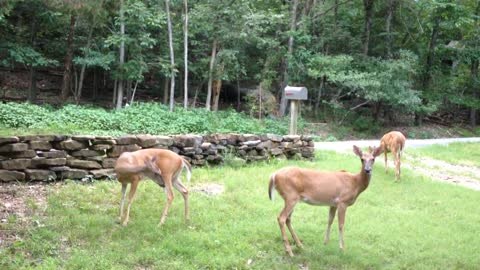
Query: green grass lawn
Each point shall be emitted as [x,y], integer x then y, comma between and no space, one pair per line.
[414,224]
[455,153]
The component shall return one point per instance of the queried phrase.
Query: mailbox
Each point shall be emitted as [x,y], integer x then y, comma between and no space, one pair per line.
[294,92]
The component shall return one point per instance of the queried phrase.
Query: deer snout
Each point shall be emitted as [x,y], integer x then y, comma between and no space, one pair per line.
[368,168]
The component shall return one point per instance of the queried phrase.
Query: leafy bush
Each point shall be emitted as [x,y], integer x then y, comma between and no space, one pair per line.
[150,118]
[366,124]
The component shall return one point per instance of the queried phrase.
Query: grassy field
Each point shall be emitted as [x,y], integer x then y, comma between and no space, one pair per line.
[454,153]
[413,224]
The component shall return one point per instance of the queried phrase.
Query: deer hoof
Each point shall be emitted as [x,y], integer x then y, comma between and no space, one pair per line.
[290,253]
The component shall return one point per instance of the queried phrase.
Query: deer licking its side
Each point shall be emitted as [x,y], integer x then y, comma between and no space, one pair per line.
[162,166]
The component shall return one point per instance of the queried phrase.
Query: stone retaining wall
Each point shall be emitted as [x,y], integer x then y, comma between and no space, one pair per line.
[58,157]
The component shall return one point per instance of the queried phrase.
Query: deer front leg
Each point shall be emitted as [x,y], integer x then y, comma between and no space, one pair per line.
[122,201]
[170,196]
[331,217]
[131,196]
[342,209]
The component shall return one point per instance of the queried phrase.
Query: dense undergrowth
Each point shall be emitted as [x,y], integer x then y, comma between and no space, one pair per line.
[150,118]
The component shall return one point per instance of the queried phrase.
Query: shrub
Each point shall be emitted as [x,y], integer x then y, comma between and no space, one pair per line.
[150,118]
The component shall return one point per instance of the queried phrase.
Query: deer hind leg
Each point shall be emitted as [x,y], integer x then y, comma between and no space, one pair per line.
[131,197]
[170,196]
[292,232]
[386,163]
[397,165]
[282,219]
[184,191]
[122,201]
[331,217]
[342,209]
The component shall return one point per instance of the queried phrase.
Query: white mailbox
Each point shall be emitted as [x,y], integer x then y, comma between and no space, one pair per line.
[296,92]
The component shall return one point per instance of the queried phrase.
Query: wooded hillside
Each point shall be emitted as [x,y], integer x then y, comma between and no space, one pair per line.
[362,61]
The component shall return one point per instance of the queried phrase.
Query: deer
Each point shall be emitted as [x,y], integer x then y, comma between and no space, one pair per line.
[160,165]
[394,142]
[336,189]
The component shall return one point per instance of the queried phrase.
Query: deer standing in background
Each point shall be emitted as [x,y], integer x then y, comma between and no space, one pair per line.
[162,166]
[338,190]
[394,142]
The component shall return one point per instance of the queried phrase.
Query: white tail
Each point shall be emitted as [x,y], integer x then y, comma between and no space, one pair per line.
[271,187]
[162,166]
[335,189]
[394,142]
[188,168]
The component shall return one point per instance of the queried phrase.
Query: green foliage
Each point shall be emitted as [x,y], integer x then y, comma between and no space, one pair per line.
[366,124]
[150,118]
[428,66]
[24,55]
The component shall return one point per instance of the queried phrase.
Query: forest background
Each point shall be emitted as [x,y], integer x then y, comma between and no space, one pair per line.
[366,63]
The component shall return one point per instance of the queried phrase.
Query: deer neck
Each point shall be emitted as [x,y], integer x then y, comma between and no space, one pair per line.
[363,180]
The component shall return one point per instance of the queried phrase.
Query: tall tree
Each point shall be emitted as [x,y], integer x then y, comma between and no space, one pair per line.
[368,8]
[185,54]
[172,56]
[388,26]
[121,56]
[475,66]
[210,75]
[293,24]
[67,62]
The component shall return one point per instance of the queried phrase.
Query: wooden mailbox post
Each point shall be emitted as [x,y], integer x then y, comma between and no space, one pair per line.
[295,94]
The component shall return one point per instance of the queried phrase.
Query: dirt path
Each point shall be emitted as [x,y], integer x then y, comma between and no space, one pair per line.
[462,175]
[18,204]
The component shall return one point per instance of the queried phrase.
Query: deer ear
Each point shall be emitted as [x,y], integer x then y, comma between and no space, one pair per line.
[377,151]
[357,151]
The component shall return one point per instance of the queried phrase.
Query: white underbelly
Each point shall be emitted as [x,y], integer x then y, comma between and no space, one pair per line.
[318,203]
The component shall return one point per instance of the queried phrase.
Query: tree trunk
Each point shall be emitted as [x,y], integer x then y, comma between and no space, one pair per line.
[210,75]
[475,82]
[368,8]
[238,95]
[82,71]
[114,98]
[388,26]
[67,74]
[185,55]
[319,97]
[32,93]
[431,52]
[293,23]
[122,58]
[95,83]
[475,88]
[166,84]
[217,85]
[172,59]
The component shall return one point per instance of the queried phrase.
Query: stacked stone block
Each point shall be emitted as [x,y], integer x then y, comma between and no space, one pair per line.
[58,157]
